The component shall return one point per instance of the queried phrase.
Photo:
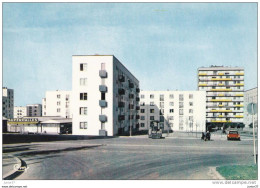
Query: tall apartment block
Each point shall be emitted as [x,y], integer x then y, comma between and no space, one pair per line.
[225,94]
[8,103]
[34,110]
[250,96]
[183,111]
[57,103]
[105,96]
[20,111]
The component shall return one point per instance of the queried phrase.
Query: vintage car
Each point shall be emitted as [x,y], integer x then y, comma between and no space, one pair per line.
[233,135]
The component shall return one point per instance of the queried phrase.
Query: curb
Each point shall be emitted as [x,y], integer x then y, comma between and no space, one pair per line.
[215,174]
[10,173]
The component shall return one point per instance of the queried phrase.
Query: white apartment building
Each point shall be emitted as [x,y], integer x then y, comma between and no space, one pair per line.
[57,103]
[225,91]
[8,103]
[250,96]
[105,96]
[176,110]
[20,111]
[34,110]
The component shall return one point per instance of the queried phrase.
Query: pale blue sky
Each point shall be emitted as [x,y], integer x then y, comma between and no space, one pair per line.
[162,44]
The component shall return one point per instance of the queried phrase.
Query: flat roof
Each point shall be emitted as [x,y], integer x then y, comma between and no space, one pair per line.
[220,68]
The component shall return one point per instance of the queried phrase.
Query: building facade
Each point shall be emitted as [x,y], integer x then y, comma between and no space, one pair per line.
[20,111]
[224,88]
[57,103]
[250,96]
[8,103]
[183,111]
[105,96]
[34,110]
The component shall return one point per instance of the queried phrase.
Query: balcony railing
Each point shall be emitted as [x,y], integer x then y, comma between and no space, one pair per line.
[102,103]
[131,96]
[121,117]
[103,88]
[103,118]
[121,78]
[121,91]
[103,73]
[121,104]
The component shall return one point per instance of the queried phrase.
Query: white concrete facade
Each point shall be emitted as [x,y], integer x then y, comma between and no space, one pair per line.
[34,110]
[225,93]
[20,111]
[104,96]
[250,96]
[8,103]
[183,111]
[57,103]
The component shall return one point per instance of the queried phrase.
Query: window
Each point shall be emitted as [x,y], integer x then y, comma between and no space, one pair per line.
[58,109]
[161,111]
[83,96]
[83,125]
[83,110]
[58,103]
[83,81]
[142,103]
[142,110]
[171,103]
[103,96]
[171,96]
[151,110]
[191,111]
[142,96]
[161,97]
[151,103]
[161,119]
[161,104]
[151,96]
[142,117]
[190,96]
[83,66]
[191,118]
[171,110]
[142,124]
[171,118]
[151,117]
[171,124]
[58,96]
[180,111]
[180,104]
[181,97]
[191,103]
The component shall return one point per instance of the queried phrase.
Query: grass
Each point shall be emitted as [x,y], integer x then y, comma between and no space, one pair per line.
[238,172]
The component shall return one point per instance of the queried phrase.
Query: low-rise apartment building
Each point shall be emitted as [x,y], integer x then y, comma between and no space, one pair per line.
[20,111]
[34,110]
[8,103]
[250,96]
[57,103]
[105,96]
[183,111]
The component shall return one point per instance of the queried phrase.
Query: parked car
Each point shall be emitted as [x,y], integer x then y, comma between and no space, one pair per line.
[233,135]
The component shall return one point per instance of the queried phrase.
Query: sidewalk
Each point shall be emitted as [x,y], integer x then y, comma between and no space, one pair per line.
[8,164]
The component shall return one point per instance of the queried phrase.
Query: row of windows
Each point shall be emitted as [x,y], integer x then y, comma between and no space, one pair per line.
[171,96]
[170,111]
[168,118]
[170,104]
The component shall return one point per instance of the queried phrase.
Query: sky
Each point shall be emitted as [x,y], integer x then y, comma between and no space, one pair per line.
[162,44]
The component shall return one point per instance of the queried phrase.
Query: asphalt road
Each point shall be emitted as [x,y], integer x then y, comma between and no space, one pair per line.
[129,158]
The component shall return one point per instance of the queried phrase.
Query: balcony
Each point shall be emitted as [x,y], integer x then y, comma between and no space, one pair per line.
[131,96]
[138,90]
[137,117]
[103,73]
[131,85]
[131,106]
[220,110]
[221,100]
[121,104]
[103,118]
[131,117]
[137,98]
[221,90]
[121,78]
[239,105]
[121,91]
[137,108]
[221,79]
[240,73]
[202,74]
[121,117]
[202,84]
[103,88]
[102,103]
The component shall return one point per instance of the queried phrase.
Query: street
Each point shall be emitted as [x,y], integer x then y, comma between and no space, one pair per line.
[129,158]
